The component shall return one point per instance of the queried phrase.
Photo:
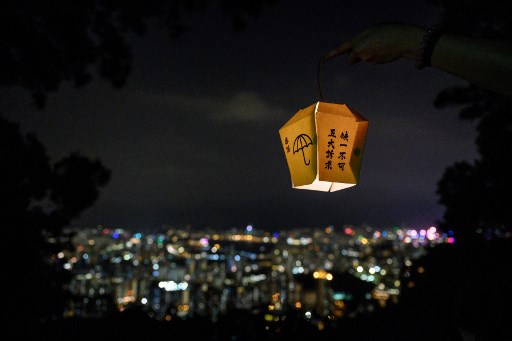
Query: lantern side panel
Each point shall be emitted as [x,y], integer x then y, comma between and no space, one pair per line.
[299,144]
[356,158]
[335,143]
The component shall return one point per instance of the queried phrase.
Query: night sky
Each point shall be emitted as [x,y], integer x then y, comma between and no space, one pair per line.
[192,138]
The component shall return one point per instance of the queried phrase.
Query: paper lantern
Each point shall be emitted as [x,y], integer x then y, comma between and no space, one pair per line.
[324,144]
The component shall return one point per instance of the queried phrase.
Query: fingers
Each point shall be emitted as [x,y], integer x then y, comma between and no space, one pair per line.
[344,48]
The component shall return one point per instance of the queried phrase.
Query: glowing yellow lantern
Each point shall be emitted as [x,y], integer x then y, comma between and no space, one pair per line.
[324,144]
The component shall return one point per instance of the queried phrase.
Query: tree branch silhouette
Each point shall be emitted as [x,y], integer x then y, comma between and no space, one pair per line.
[43,44]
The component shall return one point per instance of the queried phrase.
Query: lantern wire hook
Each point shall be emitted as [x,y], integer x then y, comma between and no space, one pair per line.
[318,78]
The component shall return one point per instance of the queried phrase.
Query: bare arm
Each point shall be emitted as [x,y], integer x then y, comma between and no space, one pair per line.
[485,63]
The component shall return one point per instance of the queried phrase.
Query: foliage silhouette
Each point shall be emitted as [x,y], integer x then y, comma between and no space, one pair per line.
[475,193]
[37,201]
[45,43]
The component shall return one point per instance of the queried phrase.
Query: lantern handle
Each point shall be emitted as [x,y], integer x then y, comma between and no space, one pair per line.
[318,76]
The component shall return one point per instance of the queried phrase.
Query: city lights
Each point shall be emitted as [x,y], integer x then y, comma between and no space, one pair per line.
[177,274]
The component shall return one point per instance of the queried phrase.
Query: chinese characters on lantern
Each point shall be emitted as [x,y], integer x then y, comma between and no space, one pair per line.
[333,154]
[287,146]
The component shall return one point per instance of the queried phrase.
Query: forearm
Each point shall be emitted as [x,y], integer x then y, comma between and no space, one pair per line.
[483,63]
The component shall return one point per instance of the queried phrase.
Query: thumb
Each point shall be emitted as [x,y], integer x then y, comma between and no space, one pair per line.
[342,49]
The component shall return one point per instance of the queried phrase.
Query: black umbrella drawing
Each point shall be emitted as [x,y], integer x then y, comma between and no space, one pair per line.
[302,141]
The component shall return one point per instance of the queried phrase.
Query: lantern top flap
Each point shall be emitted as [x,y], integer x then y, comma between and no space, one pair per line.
[339,109]
[325,107]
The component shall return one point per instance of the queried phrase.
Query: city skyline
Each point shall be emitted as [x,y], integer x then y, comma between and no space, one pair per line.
[122,268]
[269,283]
